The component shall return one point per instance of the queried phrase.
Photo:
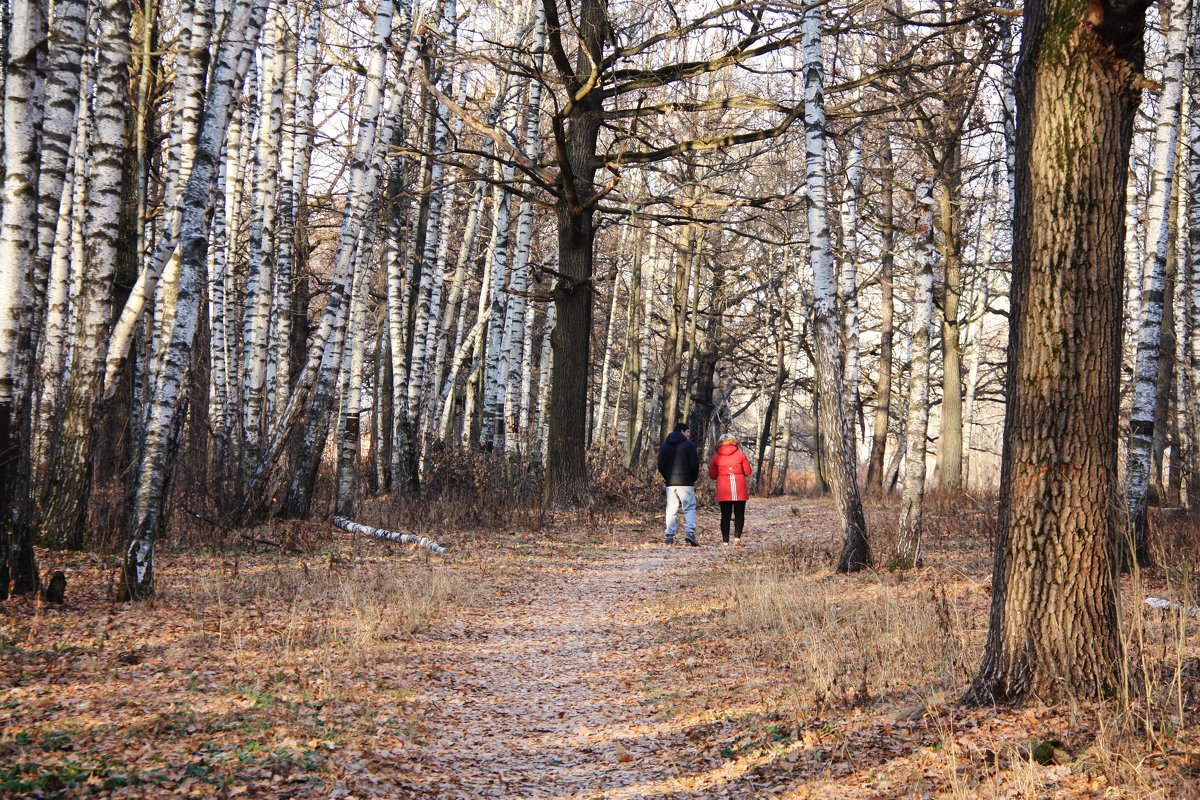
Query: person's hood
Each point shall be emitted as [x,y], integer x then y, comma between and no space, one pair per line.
[675,437]
[727,449]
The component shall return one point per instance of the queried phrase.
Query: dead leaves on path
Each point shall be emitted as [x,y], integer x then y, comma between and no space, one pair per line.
[573,662]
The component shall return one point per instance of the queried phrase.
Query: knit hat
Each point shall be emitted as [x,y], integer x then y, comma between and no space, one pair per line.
[727,437]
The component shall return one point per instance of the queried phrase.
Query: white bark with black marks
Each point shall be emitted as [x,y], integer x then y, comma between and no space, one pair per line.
[1154,267]
[836,431]
[232,61]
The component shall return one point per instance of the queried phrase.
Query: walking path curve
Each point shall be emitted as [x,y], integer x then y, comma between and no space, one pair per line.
[549,691]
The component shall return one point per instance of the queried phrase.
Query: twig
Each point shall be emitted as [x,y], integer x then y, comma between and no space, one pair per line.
[269,543]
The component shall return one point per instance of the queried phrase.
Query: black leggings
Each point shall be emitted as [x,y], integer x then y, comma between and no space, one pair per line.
[736,509]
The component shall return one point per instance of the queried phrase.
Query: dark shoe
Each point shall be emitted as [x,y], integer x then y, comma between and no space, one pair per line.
[692,541]
[670,540]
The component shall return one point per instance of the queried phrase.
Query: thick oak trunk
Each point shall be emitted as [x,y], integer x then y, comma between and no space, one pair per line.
[1053,626]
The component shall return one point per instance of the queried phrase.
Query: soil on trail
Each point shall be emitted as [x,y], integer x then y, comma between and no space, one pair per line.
[555,689]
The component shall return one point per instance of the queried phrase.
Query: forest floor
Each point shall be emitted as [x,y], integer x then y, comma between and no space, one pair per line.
[582,660]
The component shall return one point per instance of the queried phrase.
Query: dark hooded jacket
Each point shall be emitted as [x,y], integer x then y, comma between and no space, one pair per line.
[678,461]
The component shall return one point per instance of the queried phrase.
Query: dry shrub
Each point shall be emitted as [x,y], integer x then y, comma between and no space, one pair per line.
[464,490]
[803,483]
[844,648]
[617,486]
[333,609]
[1176,534]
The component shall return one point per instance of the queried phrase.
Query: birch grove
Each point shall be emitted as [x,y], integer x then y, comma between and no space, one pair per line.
[270,259]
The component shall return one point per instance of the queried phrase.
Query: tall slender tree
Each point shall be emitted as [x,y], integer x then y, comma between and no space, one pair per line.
[836,433]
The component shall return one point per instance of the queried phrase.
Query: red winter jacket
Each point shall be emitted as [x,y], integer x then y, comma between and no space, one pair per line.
[729,468]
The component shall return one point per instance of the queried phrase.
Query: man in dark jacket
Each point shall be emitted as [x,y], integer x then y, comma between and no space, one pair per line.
[679,464]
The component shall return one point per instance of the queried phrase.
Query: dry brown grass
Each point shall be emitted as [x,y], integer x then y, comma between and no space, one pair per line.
[874,664]
[247,674]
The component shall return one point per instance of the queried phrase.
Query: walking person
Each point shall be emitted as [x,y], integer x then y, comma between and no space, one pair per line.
[679,464]
[730,468]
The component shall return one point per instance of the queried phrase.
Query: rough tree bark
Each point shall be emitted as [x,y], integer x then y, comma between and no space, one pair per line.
[577,129]
[1053,625]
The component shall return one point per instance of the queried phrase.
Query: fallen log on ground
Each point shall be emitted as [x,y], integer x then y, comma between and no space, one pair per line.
[1171,605]
[390,536]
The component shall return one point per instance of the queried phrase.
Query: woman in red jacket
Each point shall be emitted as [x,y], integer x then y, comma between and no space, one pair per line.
[729,468]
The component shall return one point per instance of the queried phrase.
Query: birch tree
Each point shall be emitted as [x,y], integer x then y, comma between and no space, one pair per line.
[883,386]
[835,426]
[233,56]
[1154,268]
[19,213]
[907,552]
[65,505]
[1192,399]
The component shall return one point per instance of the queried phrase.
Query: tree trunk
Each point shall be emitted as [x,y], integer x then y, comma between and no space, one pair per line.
[633,343]
[704,385]
[1191,404]
[1139,454]
[848,275]
[671,349]
[166,403]
[887,256]
[906,553]
[577,129]
[835,428]
[1053,625]
[70,483]
[948,193]
[22,87]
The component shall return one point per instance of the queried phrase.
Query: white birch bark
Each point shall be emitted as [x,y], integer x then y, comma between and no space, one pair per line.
[350,413]
[260,269]
[53,346]
[840,466]
[430,266]
[649,290]
[469,347]
[19,193]
[545,366]
[982,296]
[62,108]
[218,276]
[389,536]
[232,60]
[848,274]
[449,343]
[399,301]
[908,548]
[188,98]
[517,322]
[602,407]
[374,131]
[189,87]
[68,486]
[1145,376]
[495,378]
[296,113]
[1190,402]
